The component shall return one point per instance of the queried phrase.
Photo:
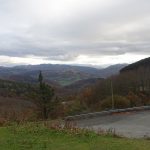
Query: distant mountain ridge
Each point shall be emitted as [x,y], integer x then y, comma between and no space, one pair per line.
[144,63]
[83,83]
[111,70]
[56,74]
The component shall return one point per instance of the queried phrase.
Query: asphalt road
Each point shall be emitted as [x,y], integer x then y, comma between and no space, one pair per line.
[132,124]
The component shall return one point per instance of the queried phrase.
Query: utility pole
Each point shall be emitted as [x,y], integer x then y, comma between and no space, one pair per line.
[112,95]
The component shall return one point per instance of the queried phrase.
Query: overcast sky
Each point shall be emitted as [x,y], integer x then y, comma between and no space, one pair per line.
[93,32]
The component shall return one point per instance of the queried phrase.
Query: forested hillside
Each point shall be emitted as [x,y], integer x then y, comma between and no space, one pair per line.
[57,75]
[130,88]
[145,63]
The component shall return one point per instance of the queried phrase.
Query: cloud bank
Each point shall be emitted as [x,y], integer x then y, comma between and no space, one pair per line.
[98,32]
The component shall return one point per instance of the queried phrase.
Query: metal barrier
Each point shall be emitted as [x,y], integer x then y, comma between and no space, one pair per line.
[103,113]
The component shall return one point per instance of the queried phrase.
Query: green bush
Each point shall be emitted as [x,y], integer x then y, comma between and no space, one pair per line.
[119,102]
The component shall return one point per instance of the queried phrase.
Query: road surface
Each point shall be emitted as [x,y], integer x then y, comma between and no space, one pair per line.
[129,124]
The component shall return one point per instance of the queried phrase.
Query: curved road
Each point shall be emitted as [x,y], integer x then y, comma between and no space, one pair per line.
[129,124]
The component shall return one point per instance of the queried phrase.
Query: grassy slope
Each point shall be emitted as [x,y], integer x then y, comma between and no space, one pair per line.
[39,138]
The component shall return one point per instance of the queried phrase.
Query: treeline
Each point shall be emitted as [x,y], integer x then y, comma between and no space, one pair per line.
[24,101]
[15,89]
[129,89]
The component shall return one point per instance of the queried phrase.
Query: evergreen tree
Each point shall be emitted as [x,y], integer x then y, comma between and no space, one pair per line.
[46,97]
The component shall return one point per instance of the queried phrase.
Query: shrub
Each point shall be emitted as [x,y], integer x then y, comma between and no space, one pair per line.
[119,102]
[134,99]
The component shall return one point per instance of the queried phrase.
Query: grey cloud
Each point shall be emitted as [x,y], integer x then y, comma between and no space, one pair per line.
[121,28]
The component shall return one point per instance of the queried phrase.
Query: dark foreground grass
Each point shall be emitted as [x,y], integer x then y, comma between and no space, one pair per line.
[39,137]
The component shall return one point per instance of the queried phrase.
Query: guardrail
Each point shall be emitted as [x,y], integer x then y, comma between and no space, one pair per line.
[103,113]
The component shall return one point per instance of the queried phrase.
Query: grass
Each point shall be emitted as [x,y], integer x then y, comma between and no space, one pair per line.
[40,137]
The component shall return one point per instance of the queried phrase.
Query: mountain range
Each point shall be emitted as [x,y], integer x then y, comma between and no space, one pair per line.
[57,74]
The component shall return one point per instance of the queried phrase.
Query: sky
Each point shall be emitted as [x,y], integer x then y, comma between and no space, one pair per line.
[82,32]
